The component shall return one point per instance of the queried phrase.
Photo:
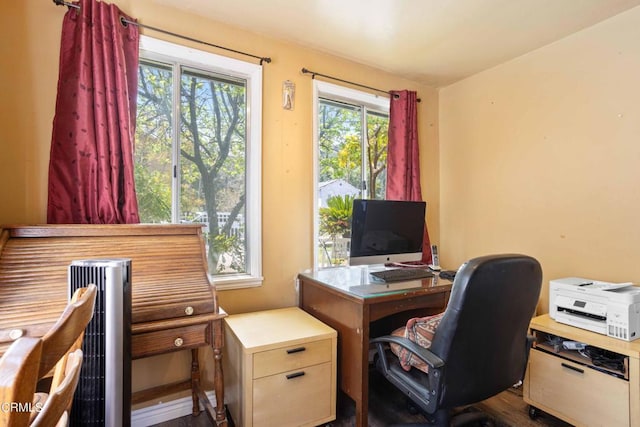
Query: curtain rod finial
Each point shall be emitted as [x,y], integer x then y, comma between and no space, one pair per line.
[305,71]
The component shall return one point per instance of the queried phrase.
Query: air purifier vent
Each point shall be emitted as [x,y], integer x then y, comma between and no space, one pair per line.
[103,395]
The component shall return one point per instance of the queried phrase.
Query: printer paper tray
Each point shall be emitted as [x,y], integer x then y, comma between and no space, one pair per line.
[599,326]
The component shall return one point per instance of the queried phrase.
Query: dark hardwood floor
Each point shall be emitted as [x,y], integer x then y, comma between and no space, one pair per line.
[387,406]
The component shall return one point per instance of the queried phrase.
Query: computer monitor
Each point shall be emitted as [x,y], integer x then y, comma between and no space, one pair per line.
[384,231]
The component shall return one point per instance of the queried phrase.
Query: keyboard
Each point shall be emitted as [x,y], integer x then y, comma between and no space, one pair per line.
[402,274]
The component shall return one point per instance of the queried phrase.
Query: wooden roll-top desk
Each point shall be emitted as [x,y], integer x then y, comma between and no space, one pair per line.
[173,303]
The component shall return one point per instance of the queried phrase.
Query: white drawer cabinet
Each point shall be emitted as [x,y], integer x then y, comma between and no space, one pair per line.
[280,369]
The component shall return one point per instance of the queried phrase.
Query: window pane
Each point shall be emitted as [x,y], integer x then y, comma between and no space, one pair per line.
[197,159]
[213,164]
[352,162]
[153,163]
[340,177]
[340,144]
[212,160]
[377,141]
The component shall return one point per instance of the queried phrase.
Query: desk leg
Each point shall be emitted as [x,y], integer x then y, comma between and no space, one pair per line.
[362,338]
[218,379]
[218,414]
[195,382]
[354,369]
[351,320]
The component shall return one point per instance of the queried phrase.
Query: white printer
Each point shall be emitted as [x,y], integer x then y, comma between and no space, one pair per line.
[611,309]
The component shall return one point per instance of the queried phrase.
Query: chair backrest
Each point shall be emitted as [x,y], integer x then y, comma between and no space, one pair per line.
[61,348]
[483,333]
[55,410]
[68,331]
[29,360]
[18,380]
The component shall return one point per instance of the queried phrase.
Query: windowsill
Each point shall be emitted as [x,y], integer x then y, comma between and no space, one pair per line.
[236,282]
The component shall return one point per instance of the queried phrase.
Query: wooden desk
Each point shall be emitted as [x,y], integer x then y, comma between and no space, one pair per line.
[346,299]
[174,305]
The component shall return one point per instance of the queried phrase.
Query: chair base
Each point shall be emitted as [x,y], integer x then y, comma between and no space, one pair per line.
[469,417]
[473,417]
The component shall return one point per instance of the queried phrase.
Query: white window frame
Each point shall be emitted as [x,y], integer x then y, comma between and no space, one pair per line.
[154,49]
[350,96]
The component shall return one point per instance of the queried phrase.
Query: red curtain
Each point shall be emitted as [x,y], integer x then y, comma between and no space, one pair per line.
[91,176]
[403,160]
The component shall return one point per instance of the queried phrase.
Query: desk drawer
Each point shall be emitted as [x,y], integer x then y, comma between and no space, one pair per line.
[294,398]
[291,357]
[579,392]
[151,343]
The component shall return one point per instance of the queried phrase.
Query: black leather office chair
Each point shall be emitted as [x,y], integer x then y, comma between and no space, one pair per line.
[481,346]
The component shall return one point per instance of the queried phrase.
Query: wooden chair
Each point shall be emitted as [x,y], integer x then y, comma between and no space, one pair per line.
[18,378]
[29,360]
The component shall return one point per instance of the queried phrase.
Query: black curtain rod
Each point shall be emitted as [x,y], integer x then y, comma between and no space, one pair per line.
[314,74]
[148,27]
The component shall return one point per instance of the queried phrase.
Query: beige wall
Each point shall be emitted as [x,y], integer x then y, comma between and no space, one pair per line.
[29,69]
[541,155]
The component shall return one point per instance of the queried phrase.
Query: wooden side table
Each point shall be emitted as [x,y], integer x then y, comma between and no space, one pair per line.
[572,387]
[280,369]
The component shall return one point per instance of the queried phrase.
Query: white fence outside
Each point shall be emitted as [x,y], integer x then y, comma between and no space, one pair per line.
[237,228]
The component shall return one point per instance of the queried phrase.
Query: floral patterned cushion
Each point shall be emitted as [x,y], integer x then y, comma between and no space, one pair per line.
[421,331]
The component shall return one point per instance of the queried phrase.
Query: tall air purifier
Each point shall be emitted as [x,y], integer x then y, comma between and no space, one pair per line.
[103,395]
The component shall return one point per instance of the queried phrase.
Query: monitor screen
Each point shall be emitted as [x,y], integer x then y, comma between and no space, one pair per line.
[385,231]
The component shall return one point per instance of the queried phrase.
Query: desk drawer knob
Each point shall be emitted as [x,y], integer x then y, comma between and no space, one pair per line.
[295,350]
[188,311]
[178,342]
[16,333]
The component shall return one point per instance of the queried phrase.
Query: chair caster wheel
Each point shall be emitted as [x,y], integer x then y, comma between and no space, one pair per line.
[533,412]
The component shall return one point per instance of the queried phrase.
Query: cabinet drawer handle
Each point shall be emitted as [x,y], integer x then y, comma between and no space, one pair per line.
[178,342]
[295,350]
[295,375]
[573,368]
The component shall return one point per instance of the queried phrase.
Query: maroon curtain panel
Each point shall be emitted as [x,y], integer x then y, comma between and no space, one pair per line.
[403,159]
[91,175]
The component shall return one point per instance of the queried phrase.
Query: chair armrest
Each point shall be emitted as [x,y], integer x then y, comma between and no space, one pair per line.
[531,340]
[422,353]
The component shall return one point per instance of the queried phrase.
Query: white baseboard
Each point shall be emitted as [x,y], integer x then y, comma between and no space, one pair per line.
[166,411]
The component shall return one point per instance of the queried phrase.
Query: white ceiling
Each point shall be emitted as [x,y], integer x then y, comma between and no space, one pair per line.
[436,42]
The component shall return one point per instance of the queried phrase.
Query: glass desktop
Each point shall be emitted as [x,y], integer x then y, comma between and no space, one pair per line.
[357,281]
